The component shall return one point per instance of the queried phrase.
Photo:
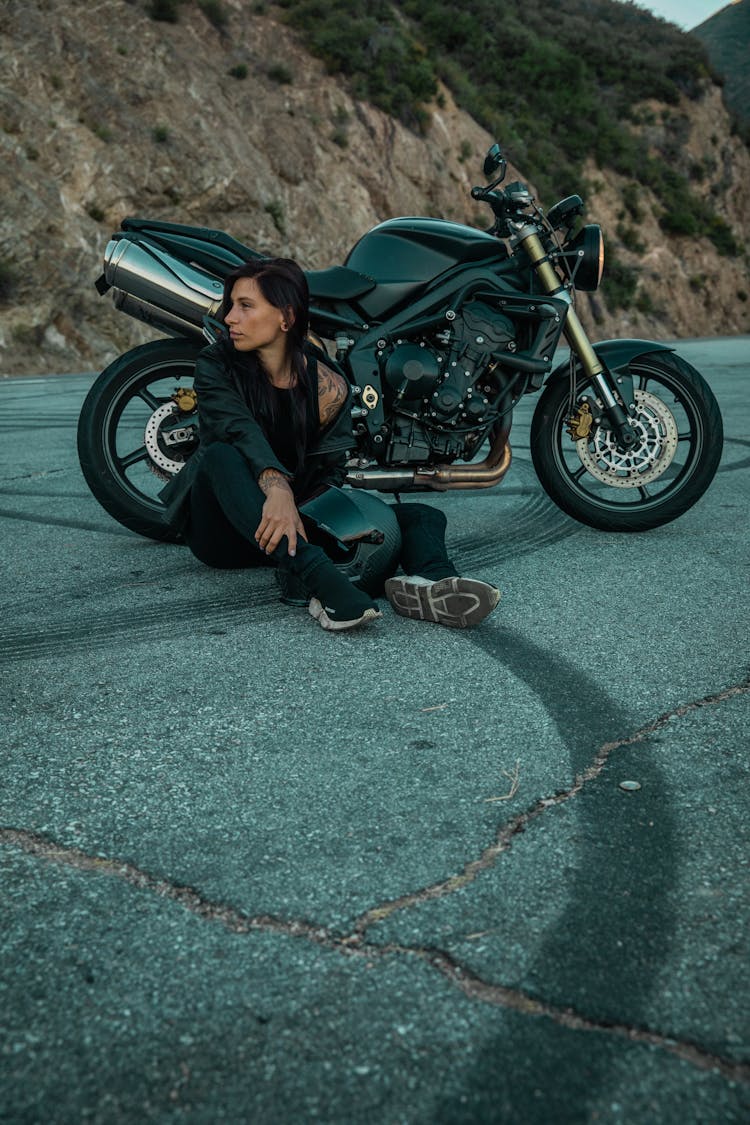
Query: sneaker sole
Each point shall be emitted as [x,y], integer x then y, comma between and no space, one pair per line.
[455,602]
[316,610]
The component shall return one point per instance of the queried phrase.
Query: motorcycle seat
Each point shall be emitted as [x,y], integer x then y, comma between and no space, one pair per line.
[338,283]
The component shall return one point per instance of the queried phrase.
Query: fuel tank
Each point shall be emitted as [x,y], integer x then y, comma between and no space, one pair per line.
[403,255]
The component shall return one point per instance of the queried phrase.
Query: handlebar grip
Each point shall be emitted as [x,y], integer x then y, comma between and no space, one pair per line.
[477,193]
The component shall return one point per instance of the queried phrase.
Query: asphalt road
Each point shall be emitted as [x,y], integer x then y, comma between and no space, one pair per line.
[253,872]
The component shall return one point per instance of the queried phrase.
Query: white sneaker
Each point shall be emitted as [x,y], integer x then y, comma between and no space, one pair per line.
[317,610]
[455,602]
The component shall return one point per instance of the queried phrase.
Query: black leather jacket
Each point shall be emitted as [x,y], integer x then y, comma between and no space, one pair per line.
[224,415]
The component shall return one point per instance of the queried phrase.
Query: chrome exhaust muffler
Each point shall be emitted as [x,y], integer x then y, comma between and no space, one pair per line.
[161,290]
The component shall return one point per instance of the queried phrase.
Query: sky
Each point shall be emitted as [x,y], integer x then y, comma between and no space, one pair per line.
[687,14]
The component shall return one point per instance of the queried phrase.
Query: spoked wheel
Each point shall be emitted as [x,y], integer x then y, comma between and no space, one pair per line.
[598,482]
[138,426]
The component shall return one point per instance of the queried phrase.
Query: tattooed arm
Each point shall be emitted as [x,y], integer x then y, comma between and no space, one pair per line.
[272,478]
[280,516]
[332,393]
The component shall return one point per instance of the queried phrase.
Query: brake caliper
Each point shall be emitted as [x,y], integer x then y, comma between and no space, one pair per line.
[186,399]
[579,424]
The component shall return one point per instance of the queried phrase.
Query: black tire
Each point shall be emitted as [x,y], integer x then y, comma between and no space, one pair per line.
[111,447]
[682,436]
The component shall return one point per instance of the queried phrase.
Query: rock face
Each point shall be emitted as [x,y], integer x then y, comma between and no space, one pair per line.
[726,37]
[685,287]
[105,113]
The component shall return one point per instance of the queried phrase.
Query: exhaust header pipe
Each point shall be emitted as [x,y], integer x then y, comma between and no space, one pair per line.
[441,478]
[159,289]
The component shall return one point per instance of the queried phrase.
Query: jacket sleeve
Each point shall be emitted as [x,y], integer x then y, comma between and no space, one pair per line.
[225,416]
[333,446]
[333,470]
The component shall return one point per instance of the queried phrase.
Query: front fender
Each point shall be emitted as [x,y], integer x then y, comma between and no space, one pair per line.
[617,355]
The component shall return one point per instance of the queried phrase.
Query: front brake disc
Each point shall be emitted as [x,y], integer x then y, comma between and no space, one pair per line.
[656,431]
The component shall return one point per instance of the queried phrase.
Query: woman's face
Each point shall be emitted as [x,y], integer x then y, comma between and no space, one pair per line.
[253,322]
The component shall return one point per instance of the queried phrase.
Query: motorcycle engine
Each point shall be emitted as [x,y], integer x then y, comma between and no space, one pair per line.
[442,394]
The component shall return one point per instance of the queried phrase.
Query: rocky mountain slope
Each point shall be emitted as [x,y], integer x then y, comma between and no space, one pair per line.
[726,37]
[106,112]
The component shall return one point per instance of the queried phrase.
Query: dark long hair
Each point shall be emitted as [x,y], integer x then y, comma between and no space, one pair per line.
[284,285]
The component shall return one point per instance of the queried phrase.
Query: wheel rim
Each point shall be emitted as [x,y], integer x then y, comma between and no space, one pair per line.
[142,428]
[669,441]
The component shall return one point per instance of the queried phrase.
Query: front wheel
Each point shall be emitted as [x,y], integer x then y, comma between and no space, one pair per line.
[592,478]
[137,427]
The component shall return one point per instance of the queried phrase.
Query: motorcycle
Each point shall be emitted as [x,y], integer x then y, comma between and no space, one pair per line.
[441,328]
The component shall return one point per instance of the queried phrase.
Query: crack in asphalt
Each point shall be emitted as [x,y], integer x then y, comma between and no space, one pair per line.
[519,823]
[354,944]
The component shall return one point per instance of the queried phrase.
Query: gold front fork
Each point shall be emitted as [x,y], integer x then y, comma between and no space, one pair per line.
[573,330]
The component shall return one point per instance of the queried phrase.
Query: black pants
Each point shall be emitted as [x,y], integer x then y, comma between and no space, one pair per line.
[226,506]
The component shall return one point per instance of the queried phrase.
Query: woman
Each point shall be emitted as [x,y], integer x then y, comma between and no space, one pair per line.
[275,427]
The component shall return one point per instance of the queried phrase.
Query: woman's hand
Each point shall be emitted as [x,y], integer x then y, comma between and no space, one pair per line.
[280,516]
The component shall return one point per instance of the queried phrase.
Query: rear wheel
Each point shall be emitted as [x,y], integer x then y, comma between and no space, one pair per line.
[138,426]
[598,482]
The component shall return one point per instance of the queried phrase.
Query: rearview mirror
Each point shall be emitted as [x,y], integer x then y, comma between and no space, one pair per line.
[494,160]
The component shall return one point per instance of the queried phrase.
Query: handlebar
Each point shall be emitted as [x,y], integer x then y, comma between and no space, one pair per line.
[487,195]
[507,203]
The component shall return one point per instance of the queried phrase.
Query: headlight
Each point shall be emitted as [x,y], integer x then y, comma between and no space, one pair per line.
[585,257]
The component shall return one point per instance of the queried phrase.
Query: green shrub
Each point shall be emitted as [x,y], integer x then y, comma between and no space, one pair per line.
[160,134]
[619,282]
[372,49]
[630,194]
[340,134]
[27,335]
[166,11]
[276,210]
[239,71]
[721,235]
[520,70]
[8,280]
[281,74]
[94,212]
[628,236]
[215,13]
[644,302]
